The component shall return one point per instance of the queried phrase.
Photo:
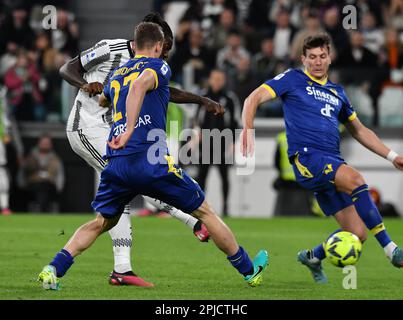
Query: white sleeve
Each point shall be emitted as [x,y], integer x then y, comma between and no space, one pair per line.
[95,55]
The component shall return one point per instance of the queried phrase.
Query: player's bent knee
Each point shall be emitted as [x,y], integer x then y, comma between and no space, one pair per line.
[348,179]
[357,181]
[354,181]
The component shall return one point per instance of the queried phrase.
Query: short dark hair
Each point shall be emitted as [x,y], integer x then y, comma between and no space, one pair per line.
[156,18]
[317,41]
[234,32]
[217,70]
[147,34]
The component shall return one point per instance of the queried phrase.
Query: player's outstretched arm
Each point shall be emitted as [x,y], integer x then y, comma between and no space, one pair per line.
[138,89]
[256,98]
[73,72]
[371,141]
[180,96]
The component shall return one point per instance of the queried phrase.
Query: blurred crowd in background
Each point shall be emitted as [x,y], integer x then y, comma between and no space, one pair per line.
[248,41]
[30,90]
[251,40]
[30,58]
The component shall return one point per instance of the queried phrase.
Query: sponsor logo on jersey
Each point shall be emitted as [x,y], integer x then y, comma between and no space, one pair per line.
[326,111]
[322,96]
[141,121]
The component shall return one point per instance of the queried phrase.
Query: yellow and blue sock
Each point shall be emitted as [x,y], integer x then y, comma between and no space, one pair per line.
[241,262]
[369,213]
[62,262]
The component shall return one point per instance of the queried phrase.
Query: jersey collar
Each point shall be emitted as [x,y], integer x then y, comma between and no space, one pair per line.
[321,82]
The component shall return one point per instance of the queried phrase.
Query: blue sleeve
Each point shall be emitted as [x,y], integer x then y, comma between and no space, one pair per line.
[280,84]
[161,71]
[347,112]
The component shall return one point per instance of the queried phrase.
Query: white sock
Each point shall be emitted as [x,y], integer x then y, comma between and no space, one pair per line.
[150,206]
[187,219]
[4,200]
[121,235]
[4,188]
[312,258]
[389,248]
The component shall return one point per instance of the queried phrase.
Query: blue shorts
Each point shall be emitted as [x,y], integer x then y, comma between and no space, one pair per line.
[125,177]
[316,171]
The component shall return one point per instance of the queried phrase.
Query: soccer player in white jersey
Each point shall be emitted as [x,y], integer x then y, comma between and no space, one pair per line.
[88,129]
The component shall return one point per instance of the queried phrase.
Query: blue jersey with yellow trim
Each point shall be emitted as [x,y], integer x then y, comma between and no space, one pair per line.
[153,111]
[312,111]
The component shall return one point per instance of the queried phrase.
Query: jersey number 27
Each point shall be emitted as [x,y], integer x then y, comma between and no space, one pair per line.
[116,85]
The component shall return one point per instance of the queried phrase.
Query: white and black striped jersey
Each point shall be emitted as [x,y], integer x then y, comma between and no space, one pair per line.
[98,63]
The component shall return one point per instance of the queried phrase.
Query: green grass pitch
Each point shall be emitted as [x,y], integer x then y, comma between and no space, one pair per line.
[166,253]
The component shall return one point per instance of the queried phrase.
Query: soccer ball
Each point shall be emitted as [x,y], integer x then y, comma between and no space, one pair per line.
[343,248]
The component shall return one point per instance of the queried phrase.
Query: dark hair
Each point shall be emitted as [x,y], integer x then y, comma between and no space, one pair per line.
[153,17]
[317,41]
[234,32]
[313,13]
[217,70]
[156,18]
[147,34]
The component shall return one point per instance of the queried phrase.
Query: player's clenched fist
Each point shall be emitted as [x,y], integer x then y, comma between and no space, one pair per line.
[120,141]
[398,162]
[212,106]
[93,88]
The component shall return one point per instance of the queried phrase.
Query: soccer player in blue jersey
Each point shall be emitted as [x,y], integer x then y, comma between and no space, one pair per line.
[88,128]
[313,109]
[137,164]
